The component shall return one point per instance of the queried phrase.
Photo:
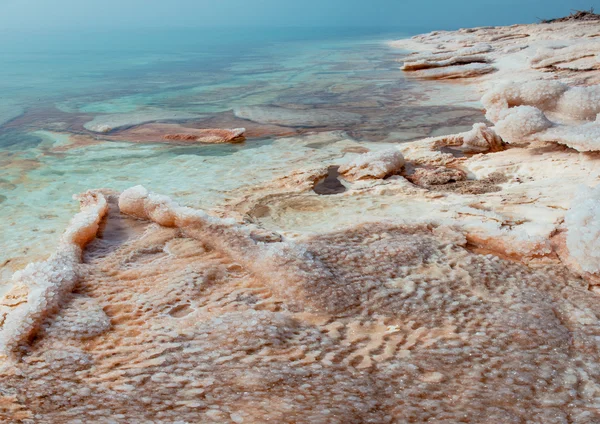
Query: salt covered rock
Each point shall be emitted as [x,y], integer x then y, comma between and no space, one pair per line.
[215,135]
[454,72]
[521,112]
[540,94]
[432,63]
[373,165]
[521,121]
[581,103]
[480,139]
[549,57]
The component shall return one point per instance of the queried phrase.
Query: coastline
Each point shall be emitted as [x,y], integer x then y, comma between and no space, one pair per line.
[455,275]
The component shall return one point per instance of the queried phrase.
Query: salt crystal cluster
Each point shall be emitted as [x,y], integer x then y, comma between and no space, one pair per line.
[521,121]
[480,139]
[583,225]
[540,94]
[39,288]
[546,111]
[373,165]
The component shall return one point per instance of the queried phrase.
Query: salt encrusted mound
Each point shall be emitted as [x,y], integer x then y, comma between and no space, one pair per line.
[39,288]
[521,121]
[454,72]
[479,139]
[546,111]
[433,63]
[540,94]
[373,165]
[208,135]
[580,103]
[583,225]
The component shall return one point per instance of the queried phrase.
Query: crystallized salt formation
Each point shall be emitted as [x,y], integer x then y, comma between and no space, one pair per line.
[39,288]
[521,112]
[395,323]
[583,225]
[521,121]
[479,139]
[373,165]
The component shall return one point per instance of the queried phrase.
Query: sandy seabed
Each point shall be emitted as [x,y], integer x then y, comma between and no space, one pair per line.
[452,279]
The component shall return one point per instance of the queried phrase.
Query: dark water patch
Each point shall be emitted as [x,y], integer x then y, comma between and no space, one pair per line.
[17,140]
[331,184]
[216,150]
[2,198]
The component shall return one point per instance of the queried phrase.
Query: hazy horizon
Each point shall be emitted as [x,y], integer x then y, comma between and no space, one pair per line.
[65,15]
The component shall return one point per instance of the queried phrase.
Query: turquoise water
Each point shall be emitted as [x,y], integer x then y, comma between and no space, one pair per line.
[55,87]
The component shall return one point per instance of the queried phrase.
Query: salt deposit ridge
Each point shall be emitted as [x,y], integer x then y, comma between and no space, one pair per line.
[453,279]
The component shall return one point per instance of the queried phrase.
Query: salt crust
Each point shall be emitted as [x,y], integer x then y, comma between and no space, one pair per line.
[377,323]
[39,288]
[583,224]
[547,111]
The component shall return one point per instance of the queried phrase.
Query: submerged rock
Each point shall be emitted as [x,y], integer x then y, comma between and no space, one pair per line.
[275,115]
[109,122]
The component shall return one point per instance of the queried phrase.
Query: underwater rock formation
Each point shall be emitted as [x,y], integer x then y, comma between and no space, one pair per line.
[461,63]
[468,70]
[297,117]
[431,63]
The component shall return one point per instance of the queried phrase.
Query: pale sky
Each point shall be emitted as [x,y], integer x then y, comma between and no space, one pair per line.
[106,14]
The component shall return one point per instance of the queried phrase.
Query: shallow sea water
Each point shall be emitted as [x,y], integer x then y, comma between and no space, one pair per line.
[53,85]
